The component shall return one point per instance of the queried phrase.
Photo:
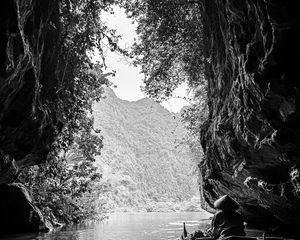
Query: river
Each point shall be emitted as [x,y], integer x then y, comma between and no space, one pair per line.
[128,226]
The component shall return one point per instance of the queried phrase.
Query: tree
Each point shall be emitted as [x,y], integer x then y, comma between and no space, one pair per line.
[66,192]
[81,81]
[67,186]
[170,48]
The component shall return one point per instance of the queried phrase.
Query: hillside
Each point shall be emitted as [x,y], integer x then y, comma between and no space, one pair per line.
[144,166]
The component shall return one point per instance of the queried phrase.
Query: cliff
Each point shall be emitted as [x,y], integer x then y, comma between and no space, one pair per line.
[252,137]
[143,164]
[28,123]
[28,63]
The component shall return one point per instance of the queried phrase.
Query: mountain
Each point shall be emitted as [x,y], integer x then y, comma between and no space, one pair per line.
[144,165]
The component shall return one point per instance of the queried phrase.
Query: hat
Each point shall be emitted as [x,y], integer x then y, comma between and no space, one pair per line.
[226,203]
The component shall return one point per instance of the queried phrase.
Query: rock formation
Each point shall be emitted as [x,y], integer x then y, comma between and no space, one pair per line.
[28,68]
[252,137]
[20,213]
[27,73]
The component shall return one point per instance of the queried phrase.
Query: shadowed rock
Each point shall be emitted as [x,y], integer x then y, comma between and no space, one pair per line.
[18,213]
[29,56]
[252,137]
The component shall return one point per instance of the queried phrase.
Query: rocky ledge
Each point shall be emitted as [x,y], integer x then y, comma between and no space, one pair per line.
[252,137]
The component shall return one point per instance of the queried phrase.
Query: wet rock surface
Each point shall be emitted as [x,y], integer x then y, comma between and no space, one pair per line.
[252,137]
[18,213]
[28,80]
[29,56]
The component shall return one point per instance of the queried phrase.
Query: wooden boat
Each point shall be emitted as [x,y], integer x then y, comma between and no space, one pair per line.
[246,238]
[251,234]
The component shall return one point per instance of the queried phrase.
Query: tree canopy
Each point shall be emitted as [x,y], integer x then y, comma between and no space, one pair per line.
[67,186]
[171,50]
[81,81]
[170,47]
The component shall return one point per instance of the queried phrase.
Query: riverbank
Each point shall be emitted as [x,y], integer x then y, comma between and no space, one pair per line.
[191,205]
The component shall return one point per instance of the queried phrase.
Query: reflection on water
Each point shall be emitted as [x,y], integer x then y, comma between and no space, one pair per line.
[128,226]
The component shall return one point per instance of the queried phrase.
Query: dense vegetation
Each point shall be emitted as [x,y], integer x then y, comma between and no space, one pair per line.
[66,187]
[170,51]
[172,48]
[146,166]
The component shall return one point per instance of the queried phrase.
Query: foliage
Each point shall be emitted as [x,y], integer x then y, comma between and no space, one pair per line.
[197,112]
[67,185]
[61,190]
[170,49]
[80,82]
[145,168]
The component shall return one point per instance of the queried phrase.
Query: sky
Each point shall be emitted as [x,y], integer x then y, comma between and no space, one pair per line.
[128,78]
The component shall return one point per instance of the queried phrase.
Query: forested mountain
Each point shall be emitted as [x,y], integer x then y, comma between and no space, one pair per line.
[144,165]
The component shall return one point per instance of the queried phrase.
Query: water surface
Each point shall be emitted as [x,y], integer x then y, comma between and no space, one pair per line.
[129,226]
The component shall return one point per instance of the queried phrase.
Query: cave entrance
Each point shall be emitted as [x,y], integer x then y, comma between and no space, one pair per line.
[147,156]
[129,154]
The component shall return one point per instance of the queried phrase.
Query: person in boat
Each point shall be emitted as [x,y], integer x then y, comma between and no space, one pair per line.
[227,221]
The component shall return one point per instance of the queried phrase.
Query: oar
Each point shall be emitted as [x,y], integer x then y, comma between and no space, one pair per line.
[184,235]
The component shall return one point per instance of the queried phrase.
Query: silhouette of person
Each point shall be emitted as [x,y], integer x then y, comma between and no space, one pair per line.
[227,221]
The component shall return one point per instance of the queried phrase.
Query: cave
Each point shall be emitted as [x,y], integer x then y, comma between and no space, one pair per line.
[251,139]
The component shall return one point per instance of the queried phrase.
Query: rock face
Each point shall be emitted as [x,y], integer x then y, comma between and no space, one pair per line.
[252,137]
[28,61]
[28,123]
[20,213]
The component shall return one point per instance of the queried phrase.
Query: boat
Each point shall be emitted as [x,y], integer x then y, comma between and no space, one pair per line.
[247,238]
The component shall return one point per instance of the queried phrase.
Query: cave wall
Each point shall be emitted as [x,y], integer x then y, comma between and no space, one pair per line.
[18,212]
[252,137]
[29,66]
[29,55]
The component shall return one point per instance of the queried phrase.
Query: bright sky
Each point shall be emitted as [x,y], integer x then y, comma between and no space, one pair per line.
[128,78]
